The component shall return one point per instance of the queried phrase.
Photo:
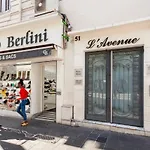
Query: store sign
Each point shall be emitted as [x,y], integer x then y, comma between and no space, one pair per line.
[25,55]
[28,38]
[98,43]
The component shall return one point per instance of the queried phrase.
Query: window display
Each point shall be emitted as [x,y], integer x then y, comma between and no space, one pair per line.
[9,90]
[50,87]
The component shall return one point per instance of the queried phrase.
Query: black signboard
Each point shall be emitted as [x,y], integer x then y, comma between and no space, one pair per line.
[25,55]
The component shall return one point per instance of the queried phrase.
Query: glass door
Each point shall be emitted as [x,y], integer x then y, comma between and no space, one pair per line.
[127,88]
[96,86]
[50,86]
[114,86]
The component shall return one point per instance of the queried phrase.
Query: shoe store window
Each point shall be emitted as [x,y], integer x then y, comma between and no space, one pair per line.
[50,87]
[9,90]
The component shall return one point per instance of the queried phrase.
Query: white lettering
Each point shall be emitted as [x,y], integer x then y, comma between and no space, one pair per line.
[11,56]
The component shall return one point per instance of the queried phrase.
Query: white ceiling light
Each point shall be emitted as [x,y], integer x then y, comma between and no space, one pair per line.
[40,4]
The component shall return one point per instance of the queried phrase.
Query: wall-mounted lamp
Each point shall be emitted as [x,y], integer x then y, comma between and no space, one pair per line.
[40,4]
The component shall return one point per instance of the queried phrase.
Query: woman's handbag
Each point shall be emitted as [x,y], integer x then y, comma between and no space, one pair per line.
[28,102]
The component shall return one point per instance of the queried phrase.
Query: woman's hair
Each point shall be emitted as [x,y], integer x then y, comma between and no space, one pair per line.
[21,82]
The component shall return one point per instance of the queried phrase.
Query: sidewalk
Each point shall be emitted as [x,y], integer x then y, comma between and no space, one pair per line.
[42,135]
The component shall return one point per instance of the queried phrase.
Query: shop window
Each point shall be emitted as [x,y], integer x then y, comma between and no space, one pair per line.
[9,90]
[4,5]
[50,88]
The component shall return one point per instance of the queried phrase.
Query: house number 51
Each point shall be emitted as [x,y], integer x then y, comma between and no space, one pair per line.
[77,38]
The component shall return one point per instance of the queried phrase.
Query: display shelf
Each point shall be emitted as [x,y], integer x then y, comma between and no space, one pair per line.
[52,92]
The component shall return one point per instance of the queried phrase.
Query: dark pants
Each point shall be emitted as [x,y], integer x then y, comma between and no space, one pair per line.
[21,109]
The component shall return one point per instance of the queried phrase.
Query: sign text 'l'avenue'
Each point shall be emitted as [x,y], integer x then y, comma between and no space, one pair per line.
[98,43]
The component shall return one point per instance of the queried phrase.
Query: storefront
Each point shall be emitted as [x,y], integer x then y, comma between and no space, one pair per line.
[32,51]
[111,79]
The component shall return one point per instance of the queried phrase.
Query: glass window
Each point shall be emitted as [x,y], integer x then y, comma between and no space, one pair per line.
[50,86]
[9,91]
[4,5]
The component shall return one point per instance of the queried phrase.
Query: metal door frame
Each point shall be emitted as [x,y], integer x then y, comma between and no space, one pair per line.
[109,64]
[108,87]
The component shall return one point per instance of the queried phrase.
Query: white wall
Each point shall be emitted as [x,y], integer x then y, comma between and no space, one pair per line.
[22,10]
[84,14]
[79,49]
[19,11]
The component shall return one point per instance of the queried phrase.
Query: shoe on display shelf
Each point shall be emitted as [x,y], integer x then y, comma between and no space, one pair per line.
[1,84]
[23,75]
[18,78]
[7,85]
[46,82]
[28,75]
[29,82]
[12,77]
[15,76]
[29,86]
[2,74]
[7,77]
[47,87]
[46,91]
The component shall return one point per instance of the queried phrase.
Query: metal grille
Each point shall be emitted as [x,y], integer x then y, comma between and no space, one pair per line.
[126,105]
[127,87]
[96,88]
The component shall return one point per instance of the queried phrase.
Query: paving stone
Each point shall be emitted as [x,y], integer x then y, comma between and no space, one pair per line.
[80,140]
[112,141]
[61,147]
[88,145]
[93,136]
[66,138]
[43,146]
[127,146]
[90,141]
[96,131]
[29,144]
[99,145]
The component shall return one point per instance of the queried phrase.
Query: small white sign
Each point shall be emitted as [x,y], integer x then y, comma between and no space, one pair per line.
[78,72]
[78,82]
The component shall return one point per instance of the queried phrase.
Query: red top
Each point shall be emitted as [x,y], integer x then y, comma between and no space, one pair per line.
[23,94]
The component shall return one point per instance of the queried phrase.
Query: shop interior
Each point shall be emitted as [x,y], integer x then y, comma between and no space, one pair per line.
[50,86]
[9,90]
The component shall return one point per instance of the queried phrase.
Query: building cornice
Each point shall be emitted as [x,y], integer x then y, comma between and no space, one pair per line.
[144,22]
[49,17]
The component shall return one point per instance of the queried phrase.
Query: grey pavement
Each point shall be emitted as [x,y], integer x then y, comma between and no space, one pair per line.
[43,135]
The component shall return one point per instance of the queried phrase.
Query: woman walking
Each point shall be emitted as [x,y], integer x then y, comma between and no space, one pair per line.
[23,101]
